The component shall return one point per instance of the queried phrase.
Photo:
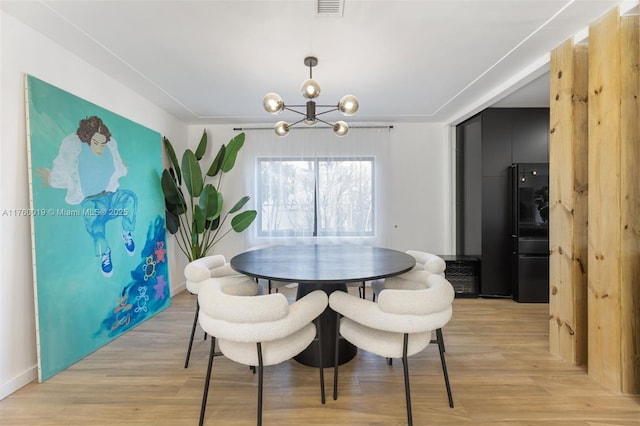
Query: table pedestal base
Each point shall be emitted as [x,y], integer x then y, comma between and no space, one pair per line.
[347,351]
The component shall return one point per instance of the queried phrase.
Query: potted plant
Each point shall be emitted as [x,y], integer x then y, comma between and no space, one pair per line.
[196,217]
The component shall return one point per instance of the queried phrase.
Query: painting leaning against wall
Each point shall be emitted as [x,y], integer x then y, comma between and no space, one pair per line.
[98,235]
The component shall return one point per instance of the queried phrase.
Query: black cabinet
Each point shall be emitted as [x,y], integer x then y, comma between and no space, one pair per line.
[531,278]
[486,146]
[463,272]
[530,135]
[469,186]
[496,142]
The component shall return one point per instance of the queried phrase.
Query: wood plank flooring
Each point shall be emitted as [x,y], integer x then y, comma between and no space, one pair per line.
[497,355]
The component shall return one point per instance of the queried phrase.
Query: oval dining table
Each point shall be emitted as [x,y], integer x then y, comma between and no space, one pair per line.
[327,267]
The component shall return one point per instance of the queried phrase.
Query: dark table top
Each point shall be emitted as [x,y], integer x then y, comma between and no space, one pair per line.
[318,263]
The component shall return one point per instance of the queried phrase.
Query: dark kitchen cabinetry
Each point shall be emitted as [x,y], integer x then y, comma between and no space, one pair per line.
[486,147]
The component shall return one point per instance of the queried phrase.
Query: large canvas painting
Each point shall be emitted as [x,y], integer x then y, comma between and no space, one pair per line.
[100,264]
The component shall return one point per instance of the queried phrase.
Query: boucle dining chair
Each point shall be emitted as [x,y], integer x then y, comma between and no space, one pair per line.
[433,264]
[424,262]
[199,271]
[399,324]
[259,330]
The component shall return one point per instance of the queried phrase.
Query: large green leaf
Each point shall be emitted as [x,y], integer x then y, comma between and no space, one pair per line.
[241,221]
[209,202]
[192,173]
[169,188]
[202,146]
[231,153]
[212,225]
[176,209]
[173,223]
[217,162]
[240,204]
[220,203]
[174,160]
[173,174]
[198,219]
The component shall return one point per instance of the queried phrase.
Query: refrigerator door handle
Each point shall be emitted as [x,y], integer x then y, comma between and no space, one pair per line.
[514,244]
[514,201]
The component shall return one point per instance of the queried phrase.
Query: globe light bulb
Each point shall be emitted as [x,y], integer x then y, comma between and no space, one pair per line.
[272,103]
[310,89]
[282,128]
[341,128]
[348,105]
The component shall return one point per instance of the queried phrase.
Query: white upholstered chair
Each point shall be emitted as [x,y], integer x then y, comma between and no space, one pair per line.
[259,330]
[424,262]
[400,324]
[196,273]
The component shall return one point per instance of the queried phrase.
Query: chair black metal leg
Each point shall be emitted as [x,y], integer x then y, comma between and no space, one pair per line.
[260,376]
[193,331]
[335,359]
[407,390]
[319,332]
[440,340]
[205,392]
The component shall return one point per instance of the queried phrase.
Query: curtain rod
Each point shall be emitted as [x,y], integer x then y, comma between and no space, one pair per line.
[315,128]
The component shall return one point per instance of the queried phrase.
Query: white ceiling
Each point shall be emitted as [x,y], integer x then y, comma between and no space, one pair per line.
[209,62]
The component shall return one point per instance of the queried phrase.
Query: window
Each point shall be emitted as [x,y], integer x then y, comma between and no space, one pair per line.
[315,196]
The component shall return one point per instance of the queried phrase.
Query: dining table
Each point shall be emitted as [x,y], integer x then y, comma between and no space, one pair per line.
[326,267]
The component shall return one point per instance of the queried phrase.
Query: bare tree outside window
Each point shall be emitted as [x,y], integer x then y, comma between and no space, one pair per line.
[316,197]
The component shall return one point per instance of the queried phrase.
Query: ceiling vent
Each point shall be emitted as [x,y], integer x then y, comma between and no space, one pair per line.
[329,7]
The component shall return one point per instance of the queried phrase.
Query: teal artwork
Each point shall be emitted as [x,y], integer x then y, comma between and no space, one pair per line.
[98,231]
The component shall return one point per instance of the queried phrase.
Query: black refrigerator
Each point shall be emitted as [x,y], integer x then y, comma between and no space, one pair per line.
[530,232]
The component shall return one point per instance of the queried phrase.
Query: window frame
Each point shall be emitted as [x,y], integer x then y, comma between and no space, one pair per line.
[316,207]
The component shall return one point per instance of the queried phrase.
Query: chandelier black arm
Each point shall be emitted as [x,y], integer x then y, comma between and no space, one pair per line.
[322,121]
[324,112]
[293,110]
[305,114]
[297,122]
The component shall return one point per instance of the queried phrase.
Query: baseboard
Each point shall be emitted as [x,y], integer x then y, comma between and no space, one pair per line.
[179,289]
[19,381]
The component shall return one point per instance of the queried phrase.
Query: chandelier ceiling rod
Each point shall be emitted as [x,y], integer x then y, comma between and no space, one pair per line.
[273,103]
[385,126]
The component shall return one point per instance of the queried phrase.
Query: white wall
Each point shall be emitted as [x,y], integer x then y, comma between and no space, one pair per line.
[26,51]
[421,170]
[422,191]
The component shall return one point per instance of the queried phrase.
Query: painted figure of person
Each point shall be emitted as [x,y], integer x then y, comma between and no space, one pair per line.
[89,166]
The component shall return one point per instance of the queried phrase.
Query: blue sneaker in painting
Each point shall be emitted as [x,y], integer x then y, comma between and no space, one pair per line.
[128,242]
[105,263]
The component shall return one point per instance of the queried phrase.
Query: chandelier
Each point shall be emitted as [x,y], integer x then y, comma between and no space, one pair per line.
[274,104]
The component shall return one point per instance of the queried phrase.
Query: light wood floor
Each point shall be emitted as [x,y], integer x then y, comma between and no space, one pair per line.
[497,353]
